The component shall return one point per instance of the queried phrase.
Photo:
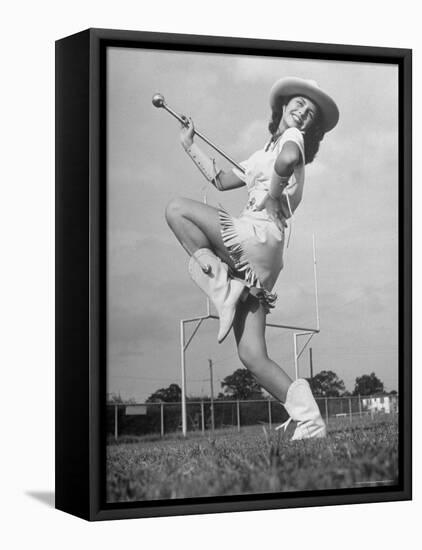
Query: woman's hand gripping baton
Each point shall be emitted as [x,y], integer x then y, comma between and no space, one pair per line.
[158,101]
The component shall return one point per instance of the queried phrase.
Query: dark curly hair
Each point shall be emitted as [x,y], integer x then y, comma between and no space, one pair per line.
[312,137]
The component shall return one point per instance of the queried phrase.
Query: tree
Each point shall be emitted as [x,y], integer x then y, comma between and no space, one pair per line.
[327,384]
[241,385]
[368,384]
[117,399]
[172,394]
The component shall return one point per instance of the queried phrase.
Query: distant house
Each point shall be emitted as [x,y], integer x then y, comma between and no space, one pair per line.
[380,403]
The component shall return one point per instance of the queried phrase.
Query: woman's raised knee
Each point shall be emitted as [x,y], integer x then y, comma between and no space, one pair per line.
[175,209]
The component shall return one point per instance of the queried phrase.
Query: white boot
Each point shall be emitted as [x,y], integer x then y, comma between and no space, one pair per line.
[302,407]
[223,291]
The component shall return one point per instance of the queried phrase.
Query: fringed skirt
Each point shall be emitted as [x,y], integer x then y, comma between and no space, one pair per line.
[255,245]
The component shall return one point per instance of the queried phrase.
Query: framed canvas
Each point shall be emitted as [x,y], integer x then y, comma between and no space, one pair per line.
[305,399]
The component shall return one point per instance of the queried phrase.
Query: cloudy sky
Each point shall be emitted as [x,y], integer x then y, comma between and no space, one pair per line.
[350,203]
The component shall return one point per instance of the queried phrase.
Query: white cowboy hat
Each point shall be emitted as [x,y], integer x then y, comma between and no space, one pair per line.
[292,86]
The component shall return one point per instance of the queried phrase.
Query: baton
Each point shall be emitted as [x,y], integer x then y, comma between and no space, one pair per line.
[158,101]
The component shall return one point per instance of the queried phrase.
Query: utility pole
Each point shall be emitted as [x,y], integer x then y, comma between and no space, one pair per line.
[311,366]
[212,396]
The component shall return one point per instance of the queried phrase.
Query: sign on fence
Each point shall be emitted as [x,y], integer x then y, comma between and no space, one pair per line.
[132,410]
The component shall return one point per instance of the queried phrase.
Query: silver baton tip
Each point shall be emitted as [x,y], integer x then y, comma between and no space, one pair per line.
[158,100]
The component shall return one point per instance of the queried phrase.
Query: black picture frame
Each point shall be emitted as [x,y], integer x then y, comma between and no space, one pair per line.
[81,270]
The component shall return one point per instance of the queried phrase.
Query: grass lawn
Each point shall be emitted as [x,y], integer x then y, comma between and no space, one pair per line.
[256,460]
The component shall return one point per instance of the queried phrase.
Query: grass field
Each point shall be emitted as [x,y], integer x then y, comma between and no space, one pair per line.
[256,460]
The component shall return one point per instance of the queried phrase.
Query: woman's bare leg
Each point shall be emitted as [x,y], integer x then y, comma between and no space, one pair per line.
[249,331]
[196,225]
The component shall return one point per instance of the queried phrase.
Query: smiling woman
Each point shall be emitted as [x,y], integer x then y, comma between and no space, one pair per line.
[236,261]
[300,112]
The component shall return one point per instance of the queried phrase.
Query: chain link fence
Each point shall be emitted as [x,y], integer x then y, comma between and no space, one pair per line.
[165,418]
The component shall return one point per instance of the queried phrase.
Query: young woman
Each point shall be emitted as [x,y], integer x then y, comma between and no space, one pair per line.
[236,261]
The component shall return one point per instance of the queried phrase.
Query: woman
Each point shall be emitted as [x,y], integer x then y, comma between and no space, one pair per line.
[236,261]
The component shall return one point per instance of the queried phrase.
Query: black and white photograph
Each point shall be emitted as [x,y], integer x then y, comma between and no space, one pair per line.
[252,275]
[210,238]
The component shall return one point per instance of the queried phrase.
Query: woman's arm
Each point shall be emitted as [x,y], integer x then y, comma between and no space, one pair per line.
[284,165]
[229,180]
[223,181]
[275,202]
[291,198]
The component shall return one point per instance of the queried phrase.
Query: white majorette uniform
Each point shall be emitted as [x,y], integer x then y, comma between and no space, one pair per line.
[253,240]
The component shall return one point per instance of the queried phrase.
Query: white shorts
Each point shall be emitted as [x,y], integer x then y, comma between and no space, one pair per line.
[255,244]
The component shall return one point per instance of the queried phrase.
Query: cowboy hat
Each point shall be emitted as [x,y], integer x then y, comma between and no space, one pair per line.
[292,86]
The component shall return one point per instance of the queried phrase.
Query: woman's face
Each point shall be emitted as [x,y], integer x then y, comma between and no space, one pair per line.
[300,112]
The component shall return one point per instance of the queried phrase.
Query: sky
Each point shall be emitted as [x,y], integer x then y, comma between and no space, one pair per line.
[349,204]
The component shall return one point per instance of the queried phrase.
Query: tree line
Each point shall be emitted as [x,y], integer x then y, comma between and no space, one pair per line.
[242,385]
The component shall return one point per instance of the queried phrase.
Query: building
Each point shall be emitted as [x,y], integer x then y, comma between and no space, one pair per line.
[380,403]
